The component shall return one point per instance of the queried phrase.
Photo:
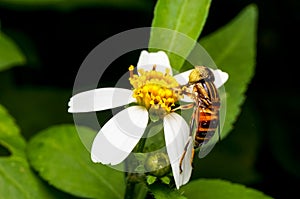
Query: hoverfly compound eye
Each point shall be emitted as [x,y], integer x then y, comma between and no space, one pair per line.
[205,73]
[210,75]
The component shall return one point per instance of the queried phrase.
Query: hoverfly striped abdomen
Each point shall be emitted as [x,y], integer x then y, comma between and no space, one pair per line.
[208,123]
[208,102]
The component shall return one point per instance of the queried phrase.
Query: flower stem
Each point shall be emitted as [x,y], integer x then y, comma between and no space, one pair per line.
[134,188]
[135,184]
[130,186]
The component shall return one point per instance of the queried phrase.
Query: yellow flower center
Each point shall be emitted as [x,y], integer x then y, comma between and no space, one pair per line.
[153,89]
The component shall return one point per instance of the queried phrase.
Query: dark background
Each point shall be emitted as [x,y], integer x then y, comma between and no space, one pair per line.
[56,42]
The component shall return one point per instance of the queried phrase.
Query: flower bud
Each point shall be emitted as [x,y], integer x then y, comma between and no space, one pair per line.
[158,164]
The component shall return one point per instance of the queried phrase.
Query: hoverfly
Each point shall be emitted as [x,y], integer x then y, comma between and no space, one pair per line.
[206,105]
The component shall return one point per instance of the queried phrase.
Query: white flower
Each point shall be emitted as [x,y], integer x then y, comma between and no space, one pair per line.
[122,132]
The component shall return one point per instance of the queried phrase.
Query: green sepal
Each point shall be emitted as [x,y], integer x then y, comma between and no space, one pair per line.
[151,179]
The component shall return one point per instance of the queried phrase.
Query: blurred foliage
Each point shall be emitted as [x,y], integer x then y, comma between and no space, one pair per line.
[72,4]
[282,140]
[10,54]
[24,103]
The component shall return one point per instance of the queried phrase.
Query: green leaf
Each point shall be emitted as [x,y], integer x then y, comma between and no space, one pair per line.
[186,19]
[233,49]
[215,188]
[16,178]
[59,156]
[164,192]
[10,54]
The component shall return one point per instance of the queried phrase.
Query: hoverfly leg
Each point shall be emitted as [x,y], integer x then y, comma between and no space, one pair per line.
[188,93]
[184,107]
[180,162]
[192,157]
[184,152]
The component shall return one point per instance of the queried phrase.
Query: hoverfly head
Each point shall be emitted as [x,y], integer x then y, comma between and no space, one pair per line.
[201,73]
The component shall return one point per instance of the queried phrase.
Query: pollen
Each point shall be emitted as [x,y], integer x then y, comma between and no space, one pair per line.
[131,68]
[153,89]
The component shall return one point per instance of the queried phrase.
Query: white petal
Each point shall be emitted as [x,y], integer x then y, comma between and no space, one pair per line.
[119,135]
[160,59]
[100,99]
[176,133]
[183,78]
[220,77]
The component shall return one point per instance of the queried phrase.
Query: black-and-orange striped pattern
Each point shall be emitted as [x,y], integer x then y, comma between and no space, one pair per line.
[208,111]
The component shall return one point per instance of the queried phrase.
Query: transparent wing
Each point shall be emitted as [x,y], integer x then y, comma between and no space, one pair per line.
[194,123]
[119,136]
[213,133]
